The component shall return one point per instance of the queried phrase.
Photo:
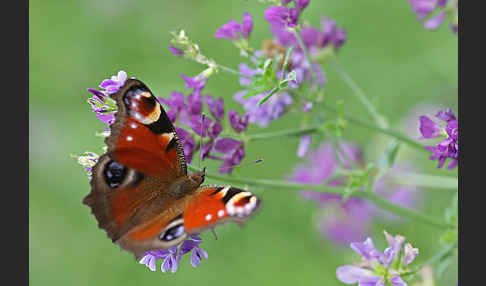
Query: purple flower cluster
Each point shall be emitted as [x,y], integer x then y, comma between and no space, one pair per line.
[314,39]
[447,148]
[186,113]
[281,18]
[232,30]
[343,222]
[272,109]
[171,257]
[87,160]
[436,11]
[100,103]
[379,268]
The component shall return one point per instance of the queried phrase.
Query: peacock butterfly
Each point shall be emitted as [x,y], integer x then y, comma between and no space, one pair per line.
[141,193]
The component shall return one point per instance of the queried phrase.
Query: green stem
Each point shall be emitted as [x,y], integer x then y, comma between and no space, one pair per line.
[312,129]
[386,131]
[429,181]
[379,201]
[232,71]
[307,55]
[289,132]
[359,93]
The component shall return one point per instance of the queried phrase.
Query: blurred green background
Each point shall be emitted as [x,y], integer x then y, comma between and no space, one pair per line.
[75,44]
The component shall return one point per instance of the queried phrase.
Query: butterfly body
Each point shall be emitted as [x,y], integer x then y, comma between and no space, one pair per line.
[141,193]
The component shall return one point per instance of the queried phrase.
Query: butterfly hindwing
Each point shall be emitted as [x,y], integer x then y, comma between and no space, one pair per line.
[213,205]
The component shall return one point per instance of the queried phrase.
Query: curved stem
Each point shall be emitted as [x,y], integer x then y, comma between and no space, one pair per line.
[385,131]
[379,201]
[352,119]
[359,93]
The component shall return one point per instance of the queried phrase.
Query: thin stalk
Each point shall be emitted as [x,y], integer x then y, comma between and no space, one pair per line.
[385,131]
[232,71]
[428,181]
[276,134]
[307,55]
[377,200]
[352,119]
[359,93]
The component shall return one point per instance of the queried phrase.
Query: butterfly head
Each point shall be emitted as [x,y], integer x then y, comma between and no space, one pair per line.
[198,177]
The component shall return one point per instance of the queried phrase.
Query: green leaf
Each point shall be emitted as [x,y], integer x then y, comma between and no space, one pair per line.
[286,61]
[390,155]
[274,90]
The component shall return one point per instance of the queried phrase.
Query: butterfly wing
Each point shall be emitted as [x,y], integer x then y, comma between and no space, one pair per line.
[131,181]
[213,205]
[142,136]
[139,189]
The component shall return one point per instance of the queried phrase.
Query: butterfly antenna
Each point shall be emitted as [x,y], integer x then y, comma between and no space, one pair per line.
[245,164]
[200,141]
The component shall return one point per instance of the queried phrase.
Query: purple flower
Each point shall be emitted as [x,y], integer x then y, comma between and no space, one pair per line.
[233,29]
[208,128]
[272,109]
[376,267]
[88,160]
[331,34]
[304,144]
[194,103]
[425,8]
[176,51]
[197,83]
[307,106]
[229,30]
[403,195]
[339,221]
[301,4]
[216,107]
[352,274]
[172,256]
[339,38]
[434,22]
[206,148]
[429,128]
[282,17]
[112,85]
[410,254]
[446,115]
[246,25]
[149,260]
[238,123]
[106,118]
[171,259]
[448,147]
[99,106]
[249,72]
[197,254]
[233,153]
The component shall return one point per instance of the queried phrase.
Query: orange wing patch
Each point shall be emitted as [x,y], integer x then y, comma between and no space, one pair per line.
[215,205]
